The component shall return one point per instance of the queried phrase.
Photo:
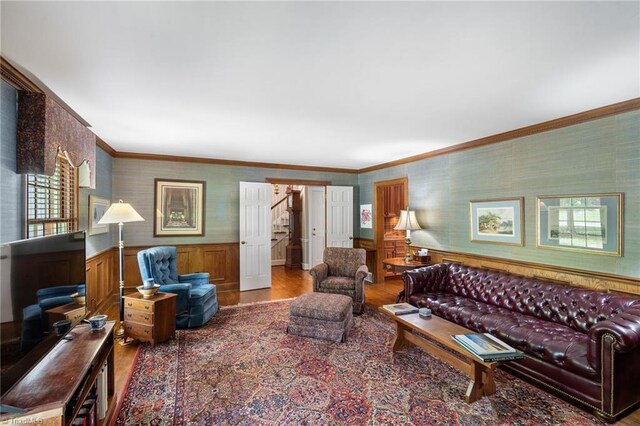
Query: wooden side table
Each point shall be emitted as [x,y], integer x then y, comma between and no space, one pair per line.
[71,311]
[150,320]
[398,265]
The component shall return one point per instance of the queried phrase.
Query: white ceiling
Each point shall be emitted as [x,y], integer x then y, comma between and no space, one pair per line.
[345,85]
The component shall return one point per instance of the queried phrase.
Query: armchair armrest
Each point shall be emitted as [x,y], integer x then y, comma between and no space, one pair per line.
[319,274]
[361,274]
[183,291]
[420,280]
[196,278]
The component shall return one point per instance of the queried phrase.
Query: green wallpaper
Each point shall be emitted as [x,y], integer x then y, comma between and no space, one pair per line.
[133,181]
[597,156]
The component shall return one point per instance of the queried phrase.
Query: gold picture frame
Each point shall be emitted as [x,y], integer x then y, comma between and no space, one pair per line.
[497,221]
[97,208]
[179,208]
[589,223]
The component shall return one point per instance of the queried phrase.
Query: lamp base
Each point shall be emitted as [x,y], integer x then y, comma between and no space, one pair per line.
[119,333]
[407,257]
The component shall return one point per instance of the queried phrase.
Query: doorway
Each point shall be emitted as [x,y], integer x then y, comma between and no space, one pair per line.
[390,197]
[325,217]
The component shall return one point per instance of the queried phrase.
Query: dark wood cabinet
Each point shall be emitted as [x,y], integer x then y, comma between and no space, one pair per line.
[76,374]
[294,248]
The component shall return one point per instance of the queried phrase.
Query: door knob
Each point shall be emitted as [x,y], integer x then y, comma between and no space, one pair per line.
[351,238]
[243,242]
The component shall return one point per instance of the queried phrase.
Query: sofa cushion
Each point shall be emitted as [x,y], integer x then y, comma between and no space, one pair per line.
[553,343]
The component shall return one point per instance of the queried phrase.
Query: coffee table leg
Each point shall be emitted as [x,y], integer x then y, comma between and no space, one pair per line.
[481,383]
[400,342]
[488,385]
[474,390]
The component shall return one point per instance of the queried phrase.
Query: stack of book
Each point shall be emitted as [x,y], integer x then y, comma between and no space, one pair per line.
[401,308]
[487,348]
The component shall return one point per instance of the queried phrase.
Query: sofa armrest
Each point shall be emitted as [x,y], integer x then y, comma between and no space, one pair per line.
[319,274]
[624,328]
[197,278]
[183,291]
[420,280]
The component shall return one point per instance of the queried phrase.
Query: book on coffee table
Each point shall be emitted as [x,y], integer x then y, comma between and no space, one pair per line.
[401,308]
[487,347]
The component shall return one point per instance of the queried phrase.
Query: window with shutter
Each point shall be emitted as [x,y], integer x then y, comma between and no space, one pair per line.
[52,201]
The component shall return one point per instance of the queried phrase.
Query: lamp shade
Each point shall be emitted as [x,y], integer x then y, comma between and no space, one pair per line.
[408,221]
[120,213]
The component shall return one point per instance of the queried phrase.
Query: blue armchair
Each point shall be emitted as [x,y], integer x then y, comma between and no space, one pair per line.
[197,299]
[34,322]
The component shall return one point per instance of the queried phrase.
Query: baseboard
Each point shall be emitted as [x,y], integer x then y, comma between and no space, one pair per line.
[279,262]
[305,266]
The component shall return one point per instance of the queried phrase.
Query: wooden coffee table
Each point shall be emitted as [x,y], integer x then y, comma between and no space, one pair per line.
[434,336]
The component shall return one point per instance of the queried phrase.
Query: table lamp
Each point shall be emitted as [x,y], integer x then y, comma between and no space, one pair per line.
[407,222]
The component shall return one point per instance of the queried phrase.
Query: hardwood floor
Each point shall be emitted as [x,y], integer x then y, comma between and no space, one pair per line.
[286,283]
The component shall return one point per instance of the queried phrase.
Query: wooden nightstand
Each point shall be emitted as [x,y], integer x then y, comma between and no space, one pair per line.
[150,320]
[71,311]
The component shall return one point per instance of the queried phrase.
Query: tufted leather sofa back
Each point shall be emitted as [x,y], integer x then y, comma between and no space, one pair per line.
[160,263]
[574,307]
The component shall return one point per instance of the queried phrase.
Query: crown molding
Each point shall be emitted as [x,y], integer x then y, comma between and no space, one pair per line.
[570,120]
[23,80]
[201,160]
[105,147]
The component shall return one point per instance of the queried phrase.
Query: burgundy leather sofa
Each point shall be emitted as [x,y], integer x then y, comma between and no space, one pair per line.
[583,344]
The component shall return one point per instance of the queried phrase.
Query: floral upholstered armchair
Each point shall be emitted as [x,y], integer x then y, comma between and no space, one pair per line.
[342,272]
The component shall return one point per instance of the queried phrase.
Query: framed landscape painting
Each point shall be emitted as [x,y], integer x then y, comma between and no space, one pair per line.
[179,208]
[583,223]
[498,221]
[97,207]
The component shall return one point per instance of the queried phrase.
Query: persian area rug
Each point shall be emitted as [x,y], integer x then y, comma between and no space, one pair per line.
[243,369]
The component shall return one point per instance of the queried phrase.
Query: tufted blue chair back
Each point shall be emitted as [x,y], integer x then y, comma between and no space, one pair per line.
[159,263]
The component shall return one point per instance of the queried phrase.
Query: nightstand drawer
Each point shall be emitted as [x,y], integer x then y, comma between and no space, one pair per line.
[139,304]
[136,330]
[77,315]
[139,316]
[389,243]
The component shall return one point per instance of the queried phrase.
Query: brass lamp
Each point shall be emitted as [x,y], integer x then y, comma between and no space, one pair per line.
[120,213]
[407,222]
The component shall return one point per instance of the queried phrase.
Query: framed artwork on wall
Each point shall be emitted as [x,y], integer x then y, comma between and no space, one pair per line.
[366,216]
[179,208]
[497,221]
[581,223]
[97,207]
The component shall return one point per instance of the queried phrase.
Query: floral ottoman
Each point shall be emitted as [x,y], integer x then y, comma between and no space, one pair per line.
[322,316]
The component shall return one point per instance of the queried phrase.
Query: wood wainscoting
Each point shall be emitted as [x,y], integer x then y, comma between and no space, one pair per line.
[102,280]
[575,277]
[221,261]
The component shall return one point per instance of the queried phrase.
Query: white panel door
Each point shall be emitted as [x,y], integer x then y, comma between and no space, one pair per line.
[255,235]
[339,216]
[316,225]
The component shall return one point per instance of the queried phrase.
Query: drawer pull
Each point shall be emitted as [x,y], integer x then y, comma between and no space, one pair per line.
[146,307]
